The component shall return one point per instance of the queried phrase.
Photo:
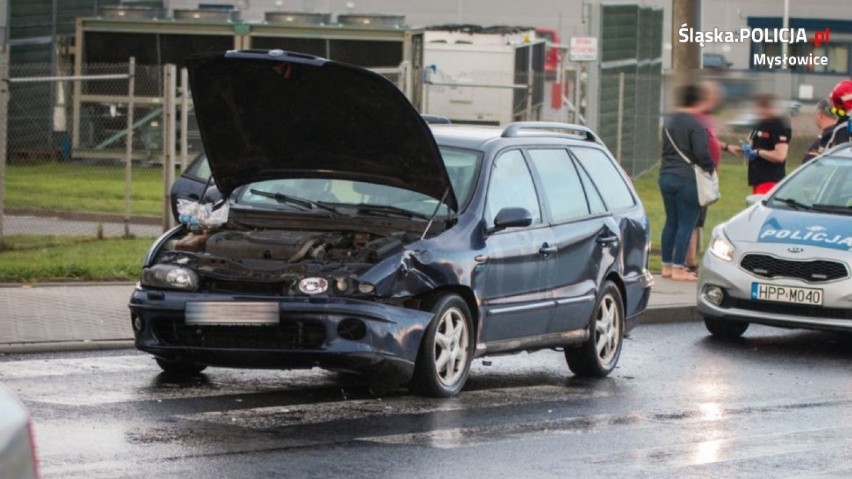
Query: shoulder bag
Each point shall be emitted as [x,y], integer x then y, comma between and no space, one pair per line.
[707,183]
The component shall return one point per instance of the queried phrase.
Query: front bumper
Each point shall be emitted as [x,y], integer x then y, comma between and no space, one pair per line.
[737,305]
[331,333]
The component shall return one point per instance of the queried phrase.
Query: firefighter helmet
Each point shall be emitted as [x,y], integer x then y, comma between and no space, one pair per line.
[841,98]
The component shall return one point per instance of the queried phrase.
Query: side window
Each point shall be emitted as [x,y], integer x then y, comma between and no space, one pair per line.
[562,188]
[605,175]
[511,186]
[596,204]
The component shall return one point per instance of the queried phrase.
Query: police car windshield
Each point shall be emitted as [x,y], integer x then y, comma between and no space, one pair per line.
[824,184]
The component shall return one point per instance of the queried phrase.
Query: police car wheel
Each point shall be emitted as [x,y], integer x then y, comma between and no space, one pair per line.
[725,329]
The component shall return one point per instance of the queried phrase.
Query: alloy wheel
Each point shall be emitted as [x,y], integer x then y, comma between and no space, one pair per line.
[607,330]
[451,339]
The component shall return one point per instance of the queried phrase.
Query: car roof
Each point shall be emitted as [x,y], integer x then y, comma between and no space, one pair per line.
[477,136]
[465,136]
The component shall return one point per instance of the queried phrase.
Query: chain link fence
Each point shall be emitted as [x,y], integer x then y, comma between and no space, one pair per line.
[68,156]
[629,119]
[67,164]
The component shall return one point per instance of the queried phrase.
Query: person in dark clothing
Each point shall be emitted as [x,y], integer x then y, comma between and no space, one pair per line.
[825,121]
[711,97]
[841,101]
[685,131]
[767,147]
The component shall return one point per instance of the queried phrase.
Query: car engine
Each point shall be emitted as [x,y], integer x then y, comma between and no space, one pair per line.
[272,260]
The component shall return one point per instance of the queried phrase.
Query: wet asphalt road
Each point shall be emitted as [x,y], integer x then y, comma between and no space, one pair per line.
[776,404]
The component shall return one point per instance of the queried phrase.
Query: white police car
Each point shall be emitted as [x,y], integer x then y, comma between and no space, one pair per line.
[785,261]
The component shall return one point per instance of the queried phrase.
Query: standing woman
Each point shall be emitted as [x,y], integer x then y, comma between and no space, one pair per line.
[684,133]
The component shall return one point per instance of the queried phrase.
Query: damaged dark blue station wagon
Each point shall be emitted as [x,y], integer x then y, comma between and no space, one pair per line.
[359,238]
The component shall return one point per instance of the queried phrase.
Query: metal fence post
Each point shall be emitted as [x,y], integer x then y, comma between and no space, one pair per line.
[530,75]
[184,119]
[4,105]
[169,126]
[128,162]
[620,126]
[4,120]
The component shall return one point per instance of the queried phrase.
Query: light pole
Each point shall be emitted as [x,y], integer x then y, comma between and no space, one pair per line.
[686,56]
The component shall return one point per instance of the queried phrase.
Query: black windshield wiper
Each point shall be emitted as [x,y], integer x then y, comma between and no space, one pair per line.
[389,210]
[793,203]
[306,205]
[847,210]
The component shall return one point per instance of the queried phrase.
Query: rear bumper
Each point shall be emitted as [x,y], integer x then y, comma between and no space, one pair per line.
[331,333]
[638,291]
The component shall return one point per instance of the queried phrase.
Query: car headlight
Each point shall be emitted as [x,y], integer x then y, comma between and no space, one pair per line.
[721,247]
[313,286]
[170,276]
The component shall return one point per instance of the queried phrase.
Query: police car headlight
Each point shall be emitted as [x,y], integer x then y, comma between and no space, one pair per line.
[721,247]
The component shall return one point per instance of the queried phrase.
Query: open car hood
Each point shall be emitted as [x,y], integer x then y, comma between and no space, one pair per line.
[275,114]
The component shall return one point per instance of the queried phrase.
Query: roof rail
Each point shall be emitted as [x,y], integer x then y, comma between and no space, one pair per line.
[513,130]
[436,119]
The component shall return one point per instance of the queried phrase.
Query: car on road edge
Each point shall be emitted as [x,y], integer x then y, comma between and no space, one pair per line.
[356,242]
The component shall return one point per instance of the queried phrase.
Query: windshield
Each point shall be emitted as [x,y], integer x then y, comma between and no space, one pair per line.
[461,166]
[825,183]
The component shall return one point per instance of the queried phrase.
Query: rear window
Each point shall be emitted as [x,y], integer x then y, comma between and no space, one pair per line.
[606,176]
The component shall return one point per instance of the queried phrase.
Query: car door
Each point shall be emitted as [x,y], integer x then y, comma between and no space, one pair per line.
[515,298]
[573,270]
[626,223]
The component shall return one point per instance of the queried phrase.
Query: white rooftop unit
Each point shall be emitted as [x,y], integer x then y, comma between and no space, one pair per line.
[484,78]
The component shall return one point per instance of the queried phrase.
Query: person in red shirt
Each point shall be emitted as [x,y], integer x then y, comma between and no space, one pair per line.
[767,147]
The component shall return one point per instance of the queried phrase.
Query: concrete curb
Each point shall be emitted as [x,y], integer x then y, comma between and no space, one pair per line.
[65,346]
[54,284]
[85,216]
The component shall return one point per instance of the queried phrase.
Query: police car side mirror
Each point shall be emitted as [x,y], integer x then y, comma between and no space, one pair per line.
[754,199]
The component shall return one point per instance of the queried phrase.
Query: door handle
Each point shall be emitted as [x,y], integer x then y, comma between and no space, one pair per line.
[604,239]
[547,250]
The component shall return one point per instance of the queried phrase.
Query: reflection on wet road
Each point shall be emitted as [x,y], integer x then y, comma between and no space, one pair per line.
[776,404]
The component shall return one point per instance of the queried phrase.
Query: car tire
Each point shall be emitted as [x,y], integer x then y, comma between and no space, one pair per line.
[725,329]
[599,354]
[443,362]
[177,367]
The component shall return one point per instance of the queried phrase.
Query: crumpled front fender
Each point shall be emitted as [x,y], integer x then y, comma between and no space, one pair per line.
[410,273]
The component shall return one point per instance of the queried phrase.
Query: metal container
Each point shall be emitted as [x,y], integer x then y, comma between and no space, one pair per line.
[207,15]
[297,18]
[371,21]
[147,13]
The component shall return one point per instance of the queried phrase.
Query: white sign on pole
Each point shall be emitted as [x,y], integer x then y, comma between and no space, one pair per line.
[583,49]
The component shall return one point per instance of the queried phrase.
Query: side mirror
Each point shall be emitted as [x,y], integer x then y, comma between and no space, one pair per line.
[754,199]
[511,218]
